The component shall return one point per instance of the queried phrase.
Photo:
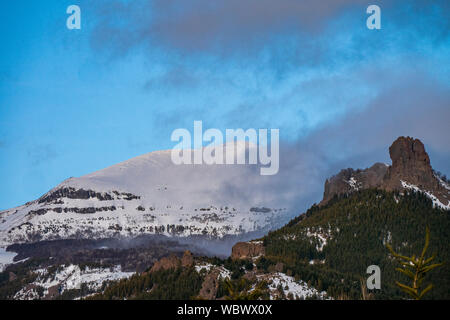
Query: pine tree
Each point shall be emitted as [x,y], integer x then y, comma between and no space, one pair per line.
[416,268]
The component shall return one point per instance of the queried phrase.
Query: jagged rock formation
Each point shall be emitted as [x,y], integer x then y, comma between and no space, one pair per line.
[173,262]
[170,262]
[187,260]
[247,250]
[410,169]
[210,285]
[410,162]
[349,180]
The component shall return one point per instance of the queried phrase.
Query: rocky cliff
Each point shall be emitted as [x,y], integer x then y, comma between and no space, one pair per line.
[247,250]
[349,180]
[410,169]
[173,262]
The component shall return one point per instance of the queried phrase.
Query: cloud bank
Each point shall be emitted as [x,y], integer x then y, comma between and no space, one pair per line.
[340,93]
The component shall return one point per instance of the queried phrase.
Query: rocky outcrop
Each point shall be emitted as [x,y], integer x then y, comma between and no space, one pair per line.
[71,193]
[187,260]
[173,262]
[88,210]
[170,262]
[410,167]
[349,180]
[53,292]
[210,286]
[410,163]
[247,250]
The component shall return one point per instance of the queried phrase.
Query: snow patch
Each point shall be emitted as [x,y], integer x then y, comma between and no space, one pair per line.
[6,258]
[223,272]
[354,184]
[298,289]
[436,202]
[442,182]
[72,277]
[321,236]
[201,267]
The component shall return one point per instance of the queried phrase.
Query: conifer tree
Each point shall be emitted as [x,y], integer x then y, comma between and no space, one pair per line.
[415,268]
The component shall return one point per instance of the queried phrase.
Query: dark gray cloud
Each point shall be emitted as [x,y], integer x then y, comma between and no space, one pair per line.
[406,100]
[413,106]
[200,24]
[204,25]
[233,26]
[417,107]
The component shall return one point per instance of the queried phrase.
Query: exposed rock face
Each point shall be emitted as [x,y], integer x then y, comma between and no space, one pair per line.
[73,193]
[410,165]
[210,286]
[187,260]
[88,210]
[53,292]
[349,180]
[172,262]
[166,263]
[247,250]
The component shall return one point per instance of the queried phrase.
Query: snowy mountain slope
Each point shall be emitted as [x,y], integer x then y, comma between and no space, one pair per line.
[147,195]
[67,278]
[290,288]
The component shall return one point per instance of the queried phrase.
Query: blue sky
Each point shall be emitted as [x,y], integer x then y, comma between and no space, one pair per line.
[76,101]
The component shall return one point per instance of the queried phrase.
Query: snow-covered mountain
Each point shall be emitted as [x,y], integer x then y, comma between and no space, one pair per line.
[150,195]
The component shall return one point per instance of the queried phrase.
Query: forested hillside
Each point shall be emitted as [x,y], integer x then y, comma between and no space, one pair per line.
[332,245]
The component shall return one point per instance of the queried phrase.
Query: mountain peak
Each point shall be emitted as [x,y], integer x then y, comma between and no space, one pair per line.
[410,162]
[410,169]
[150,195]
[408,150]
